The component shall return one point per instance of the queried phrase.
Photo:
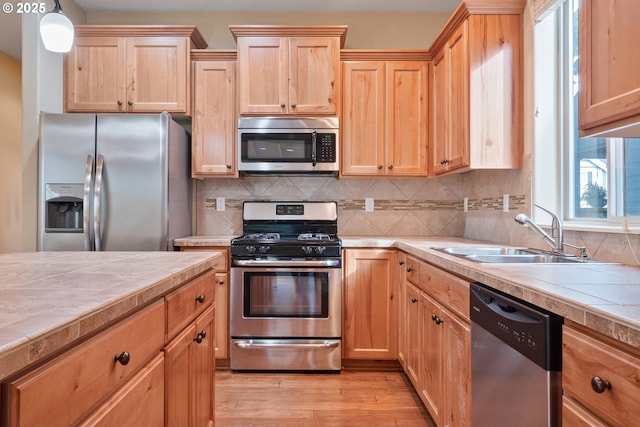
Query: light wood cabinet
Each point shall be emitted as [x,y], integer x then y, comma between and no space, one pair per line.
[190,374]
[222,298]
[438,341]
[609,96]
[402,309]
[289,70]
[130,69]
[70,387]
[370,304]
[385,113]
[213,143]
[477,90]
[599,379]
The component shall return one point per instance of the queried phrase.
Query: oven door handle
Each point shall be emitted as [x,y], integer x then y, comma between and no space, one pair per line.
[287,263]
[259,344]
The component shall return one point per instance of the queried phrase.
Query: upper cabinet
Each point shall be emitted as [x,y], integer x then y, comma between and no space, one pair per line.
[130,69]
[609,96]
[477,89]
[384,115]
[285,70]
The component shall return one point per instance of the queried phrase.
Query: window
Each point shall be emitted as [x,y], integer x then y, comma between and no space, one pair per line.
[600,177]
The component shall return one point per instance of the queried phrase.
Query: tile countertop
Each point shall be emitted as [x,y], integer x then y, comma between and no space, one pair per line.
[602,296]
[50,299]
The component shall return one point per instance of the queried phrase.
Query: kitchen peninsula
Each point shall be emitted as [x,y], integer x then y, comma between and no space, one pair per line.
[84,335]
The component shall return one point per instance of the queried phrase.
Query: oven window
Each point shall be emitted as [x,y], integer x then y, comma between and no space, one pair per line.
[275,147]
[286,294]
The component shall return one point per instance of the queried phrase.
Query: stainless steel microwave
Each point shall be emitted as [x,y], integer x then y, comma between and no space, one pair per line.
[282,145]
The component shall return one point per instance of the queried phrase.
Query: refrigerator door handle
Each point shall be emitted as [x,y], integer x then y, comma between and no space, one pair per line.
[86,203]
[97,193]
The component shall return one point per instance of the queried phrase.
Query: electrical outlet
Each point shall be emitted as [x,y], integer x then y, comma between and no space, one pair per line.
[368,204]
[505,202]
[220,204]
[466,204]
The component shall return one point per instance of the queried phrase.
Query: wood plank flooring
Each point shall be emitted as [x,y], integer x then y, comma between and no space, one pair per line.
[347,399]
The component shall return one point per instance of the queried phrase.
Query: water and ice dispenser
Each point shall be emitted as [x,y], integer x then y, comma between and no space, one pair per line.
[64,208]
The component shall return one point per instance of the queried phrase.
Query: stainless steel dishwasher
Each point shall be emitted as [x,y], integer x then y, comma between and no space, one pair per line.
[516,361]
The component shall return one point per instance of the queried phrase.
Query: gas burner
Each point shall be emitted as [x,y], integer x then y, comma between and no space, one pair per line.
[314,236]
[262,236]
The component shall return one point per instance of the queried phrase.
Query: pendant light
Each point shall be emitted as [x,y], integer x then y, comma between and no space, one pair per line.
[56,30]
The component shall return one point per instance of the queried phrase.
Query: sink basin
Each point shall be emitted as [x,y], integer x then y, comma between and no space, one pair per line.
[497,254]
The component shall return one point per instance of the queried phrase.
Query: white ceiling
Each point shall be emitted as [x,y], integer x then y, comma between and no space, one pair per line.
[11,26]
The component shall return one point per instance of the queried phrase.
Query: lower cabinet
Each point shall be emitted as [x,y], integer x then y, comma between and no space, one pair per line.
[438,342]
[599,379]
[190,370]
[370,304]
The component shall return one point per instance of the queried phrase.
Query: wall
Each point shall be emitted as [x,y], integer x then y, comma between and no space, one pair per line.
[11,158]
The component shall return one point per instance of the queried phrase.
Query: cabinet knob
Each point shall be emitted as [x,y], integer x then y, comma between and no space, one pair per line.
[401,262]
[200,298]
[220,282]
[390,167]
[123,358]
[414,300]
[293,105]
[228,166]
[599,385]
[409,269]
[283,105]
[202,335]
[119,103]
[438,320]
[433,316]
[379,167]
[444,162]
[129,103]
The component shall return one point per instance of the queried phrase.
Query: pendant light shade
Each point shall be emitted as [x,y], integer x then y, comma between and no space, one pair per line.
[56,30]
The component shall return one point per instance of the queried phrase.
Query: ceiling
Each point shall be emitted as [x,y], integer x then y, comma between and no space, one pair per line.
[11,26]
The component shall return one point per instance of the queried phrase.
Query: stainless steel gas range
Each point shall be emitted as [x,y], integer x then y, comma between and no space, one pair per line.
[286,288]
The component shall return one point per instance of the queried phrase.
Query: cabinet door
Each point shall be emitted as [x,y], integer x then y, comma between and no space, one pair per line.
[370,304]
[189,374]
[441,132]
[431,382]
[457,57]
[124,409]
[609,59]
[262,75]
[363,118]
[456,358]
[413,312]
[314,75]
[214,119]
[95,78]
[158,74]
[406,118]
[222,315]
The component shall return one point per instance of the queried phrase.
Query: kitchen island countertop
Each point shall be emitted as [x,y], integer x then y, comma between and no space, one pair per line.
[49,300]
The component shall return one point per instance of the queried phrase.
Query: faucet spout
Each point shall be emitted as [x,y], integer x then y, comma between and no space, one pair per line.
[524,220]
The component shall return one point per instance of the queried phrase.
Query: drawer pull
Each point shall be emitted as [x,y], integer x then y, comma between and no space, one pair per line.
[401,262]
[220,282]
[599,385]
[200,298]
[414,300]
[202,335]
[409,269]
[123,358]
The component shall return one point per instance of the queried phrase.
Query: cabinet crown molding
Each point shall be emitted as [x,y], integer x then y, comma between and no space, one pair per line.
[191,31]
[385,55]
[290,31]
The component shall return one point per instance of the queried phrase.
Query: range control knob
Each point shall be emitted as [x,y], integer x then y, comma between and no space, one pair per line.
[263,249]
[250,249]
[307,250]
[320,249]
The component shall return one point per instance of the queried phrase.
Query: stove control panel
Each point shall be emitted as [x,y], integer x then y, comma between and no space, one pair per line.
[290,209]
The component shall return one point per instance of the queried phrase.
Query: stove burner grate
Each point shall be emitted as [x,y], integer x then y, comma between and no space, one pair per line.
[314,236]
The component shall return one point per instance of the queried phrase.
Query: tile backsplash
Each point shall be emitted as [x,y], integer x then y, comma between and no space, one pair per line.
[407,207]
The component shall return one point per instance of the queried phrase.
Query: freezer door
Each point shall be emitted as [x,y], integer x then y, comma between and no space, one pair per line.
[131,182]
[66,144]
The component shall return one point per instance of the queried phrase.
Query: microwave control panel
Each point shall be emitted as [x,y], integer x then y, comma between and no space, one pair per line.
[326,147]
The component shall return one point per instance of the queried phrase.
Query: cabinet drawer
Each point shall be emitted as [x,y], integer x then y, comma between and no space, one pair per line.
[188,302]
[64,390]
[413,270]
[450,290]
[585,357]
[124,408]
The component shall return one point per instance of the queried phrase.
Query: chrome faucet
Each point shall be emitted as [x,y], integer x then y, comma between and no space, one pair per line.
[556,239]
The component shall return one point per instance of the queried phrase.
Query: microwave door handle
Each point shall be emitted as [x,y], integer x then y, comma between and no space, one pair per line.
[313,149]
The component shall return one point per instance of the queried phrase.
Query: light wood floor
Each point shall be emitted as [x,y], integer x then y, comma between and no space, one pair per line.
[347,399]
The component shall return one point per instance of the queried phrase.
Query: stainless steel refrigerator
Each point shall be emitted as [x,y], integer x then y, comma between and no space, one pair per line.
[112,182]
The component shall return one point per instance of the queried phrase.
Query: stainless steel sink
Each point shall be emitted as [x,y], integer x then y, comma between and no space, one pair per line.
[504,255]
